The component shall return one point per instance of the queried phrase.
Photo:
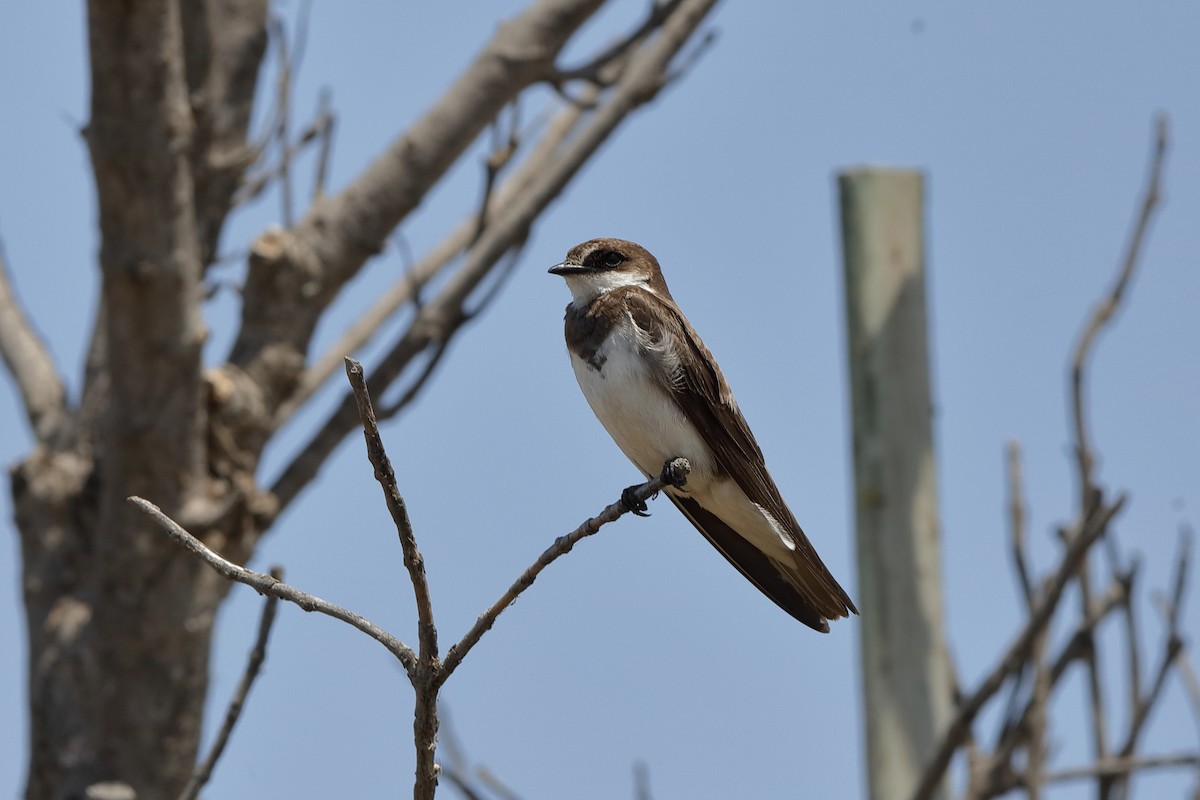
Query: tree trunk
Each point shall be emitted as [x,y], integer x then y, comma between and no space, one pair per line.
[120,622]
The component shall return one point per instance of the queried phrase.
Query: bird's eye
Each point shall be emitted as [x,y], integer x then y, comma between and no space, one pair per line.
[613,259]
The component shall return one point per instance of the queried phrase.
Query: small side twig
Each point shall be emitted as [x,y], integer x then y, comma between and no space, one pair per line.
[562,545]
[413,561]
[323,125]
[1172,647]
[502,153]
[593,69]
[1100,317]
[1017,653]
[284,120]
[425,676]
[267,585]
[1103,313]
[436,351]
[1112,767]
[258,654]
[1016,517]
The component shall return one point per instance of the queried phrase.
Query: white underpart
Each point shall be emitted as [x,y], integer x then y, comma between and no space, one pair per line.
[650,428]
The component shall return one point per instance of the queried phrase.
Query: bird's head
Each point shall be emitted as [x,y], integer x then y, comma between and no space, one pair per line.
[598,266]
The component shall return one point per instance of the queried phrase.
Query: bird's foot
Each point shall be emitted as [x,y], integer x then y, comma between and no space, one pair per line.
[675,472]
[632,503]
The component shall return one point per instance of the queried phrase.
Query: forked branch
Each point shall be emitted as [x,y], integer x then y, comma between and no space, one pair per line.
[28,360]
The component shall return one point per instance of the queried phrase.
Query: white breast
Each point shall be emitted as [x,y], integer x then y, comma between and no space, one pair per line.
[637,412]
[650,429]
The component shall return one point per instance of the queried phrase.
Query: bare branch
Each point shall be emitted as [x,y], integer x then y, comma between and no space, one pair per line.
[1101,315]
[253,664]
[425,675]
[413,561]
[1017,652]
[339,233]
[1108,305]
[493,782]
[594,69]
[407,290]
[1114,767]
[268,585]
[1172,648]
[1039,704]
[324,125]
[1184,666]
[431,364]
[995,772]
[562,545]
[319,130]
[283,123]
[502,153]
[28,360]
[1016,518]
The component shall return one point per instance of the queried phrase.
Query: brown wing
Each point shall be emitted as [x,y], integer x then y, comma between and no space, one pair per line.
[752,563]
[698,387]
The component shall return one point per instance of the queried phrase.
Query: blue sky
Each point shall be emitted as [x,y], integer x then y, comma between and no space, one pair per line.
[1032,123]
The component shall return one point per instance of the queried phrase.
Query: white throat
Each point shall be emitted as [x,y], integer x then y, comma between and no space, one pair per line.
[587,286]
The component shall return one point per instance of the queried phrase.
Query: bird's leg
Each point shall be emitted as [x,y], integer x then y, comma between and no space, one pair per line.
[675,472]
[632,503]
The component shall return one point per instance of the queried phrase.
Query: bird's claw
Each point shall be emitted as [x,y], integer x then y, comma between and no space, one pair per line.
[675,472]
[632,503]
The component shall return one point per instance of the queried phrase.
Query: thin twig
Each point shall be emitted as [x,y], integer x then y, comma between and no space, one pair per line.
[413,560]
[318,130]
[1016,520]
[284,121]
[407,289]
[495,783]
[327,121]
[1103,313]
[562,545]
[593,70]
[1172,647]
[1169,608]
[1017,652]
[502,153]
[1021,728]
[1118,766]
[424,677]
[689,60]
[1039,702]
[503,272]
[267,585]
[437,350]
[254,662]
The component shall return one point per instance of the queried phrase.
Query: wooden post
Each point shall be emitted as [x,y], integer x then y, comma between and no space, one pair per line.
[906,673]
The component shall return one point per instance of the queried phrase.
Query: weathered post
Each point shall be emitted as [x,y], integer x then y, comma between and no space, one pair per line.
[905,667]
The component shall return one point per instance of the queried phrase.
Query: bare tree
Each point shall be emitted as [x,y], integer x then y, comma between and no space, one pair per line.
[120,625]
[1034,664]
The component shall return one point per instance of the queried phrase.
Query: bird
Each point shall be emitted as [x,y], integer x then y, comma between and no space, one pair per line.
[660,394]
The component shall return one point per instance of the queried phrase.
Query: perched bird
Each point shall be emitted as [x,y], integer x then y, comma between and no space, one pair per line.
[660,394]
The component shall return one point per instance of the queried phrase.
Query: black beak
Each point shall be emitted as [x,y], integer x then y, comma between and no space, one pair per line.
[567,269]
